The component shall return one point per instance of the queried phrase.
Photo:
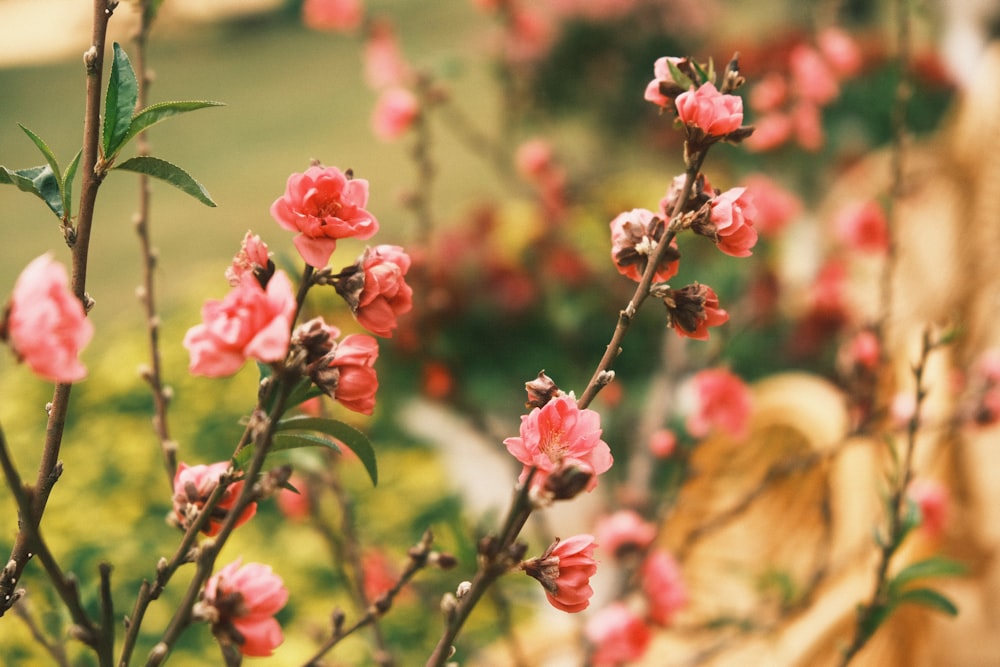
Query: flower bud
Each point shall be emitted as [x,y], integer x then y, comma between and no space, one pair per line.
[541,390]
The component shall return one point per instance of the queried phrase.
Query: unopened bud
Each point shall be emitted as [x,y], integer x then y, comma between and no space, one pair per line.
[541,390]
[463,589]
[449,604]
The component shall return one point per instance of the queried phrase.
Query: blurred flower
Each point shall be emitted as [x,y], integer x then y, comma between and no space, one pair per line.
[812,79]
[564,571]
[691,310]
[617,634]
[776,206]
[722,401]
[862,226]
[192,487]
[902,409]
[710,111]
[384,64]
[665,590]
[438,380]
[249,323]
[378,574]
[348,374]
[808,126]
[731,223]
[662,444]
[324,204]
[840,51]
[529,35]
[252,258]
[932,498]
[395,111]
[634,238]
[862,350]
[769,93]
[333,15]
[240,602]
[623,532]
[770,131]
[560,438]
[295,506]
[45,323]
[375,288]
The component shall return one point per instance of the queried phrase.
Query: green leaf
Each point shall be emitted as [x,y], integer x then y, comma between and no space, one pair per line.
[152,115]
[701,71]
[39,181]
[928,597]
[44,148]
[67,184]
[935,566]
[119,103]
[349,436]
[679,77]
[171,173]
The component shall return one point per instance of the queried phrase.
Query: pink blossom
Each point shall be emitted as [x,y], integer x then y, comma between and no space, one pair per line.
[384,64]
[840,51]
[529,35]
[323,204]
[662,443]
[395,112]
[770,131]
[378,574]
[776,206]
[661,74]
[46,324]
[240,601]
[828,290]
[693,309]
[564,571]
[770,93]
[665,590]
[722,401]
[808,126]
[618,635]
[634,237]
[862,350]
[557,436]
[354,358]
[253,258]
[295,505]
[623,532]
[192,487]
[385,295]
[932,498]
[862,226]
[710,111]
[902,409]
[249,323]
[811,76]
[534,158]
[732,217]
[333,15]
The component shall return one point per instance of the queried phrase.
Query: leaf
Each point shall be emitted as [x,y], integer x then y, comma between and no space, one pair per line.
[701,72]
[44,148]
[67,184]
[935,566]
[39,181]
[349,436]
[155,113]
[171,173]
[119,103]
[928,597]
[679,77]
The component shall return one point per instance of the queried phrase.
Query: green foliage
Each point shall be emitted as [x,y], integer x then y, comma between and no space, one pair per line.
[171,173]
[119,103]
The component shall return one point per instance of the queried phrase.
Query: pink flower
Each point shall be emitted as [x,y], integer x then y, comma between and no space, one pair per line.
[534,158]
[808,126]
[710,111]
[862,226]
[249,323]
[840,51]
[295,506]
[770,93]
[932,498]
[722,401]
[618,635]
[776,206]
[383,61]
[240,601]
[385,295]
[662,75]
[770,131]
[662,444]
[664,588]
[529,35]
[323,204]
[812,79]
[252,258]
[634,237]
[332,15]
[192,487]
[558,437]
[395,111]
[564,571]
[691,310]
[623,532]
[46,324]
[862,350]
[732,222]
[356,384]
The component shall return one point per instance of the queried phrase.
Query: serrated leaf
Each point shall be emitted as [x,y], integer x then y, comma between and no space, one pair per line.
[927,597]
[155,113]
[346,434]
[679,77]
[935,566]
[119,103]
[67,184]
[46,152]
[171,173]
[39,181]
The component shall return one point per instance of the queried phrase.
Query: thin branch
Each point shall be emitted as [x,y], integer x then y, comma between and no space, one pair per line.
[55,649]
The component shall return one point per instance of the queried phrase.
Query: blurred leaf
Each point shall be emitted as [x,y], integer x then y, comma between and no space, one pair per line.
[936,566]
[927,597]
[171,173]
[119,103]
[351,437]
[67,184]
[702,74]
[155,113]
[39,181]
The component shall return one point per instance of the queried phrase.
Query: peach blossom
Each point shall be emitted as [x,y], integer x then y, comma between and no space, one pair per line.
[385,295]
[665,590]
[624,531]
[808,126]
[634,237]
[333,15]
[395,111]
[812,79]
[241,601]
[776,206]
[618,635]
[722,402]
[770,131]
[693,309]
[709,110]
[770,93]
[354,358]
[384,64]
[564,571]
[863,226]
[732,217]
[252,258]
[661,74]
[192,487]
[932,498]
[840,51]
[662,443]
